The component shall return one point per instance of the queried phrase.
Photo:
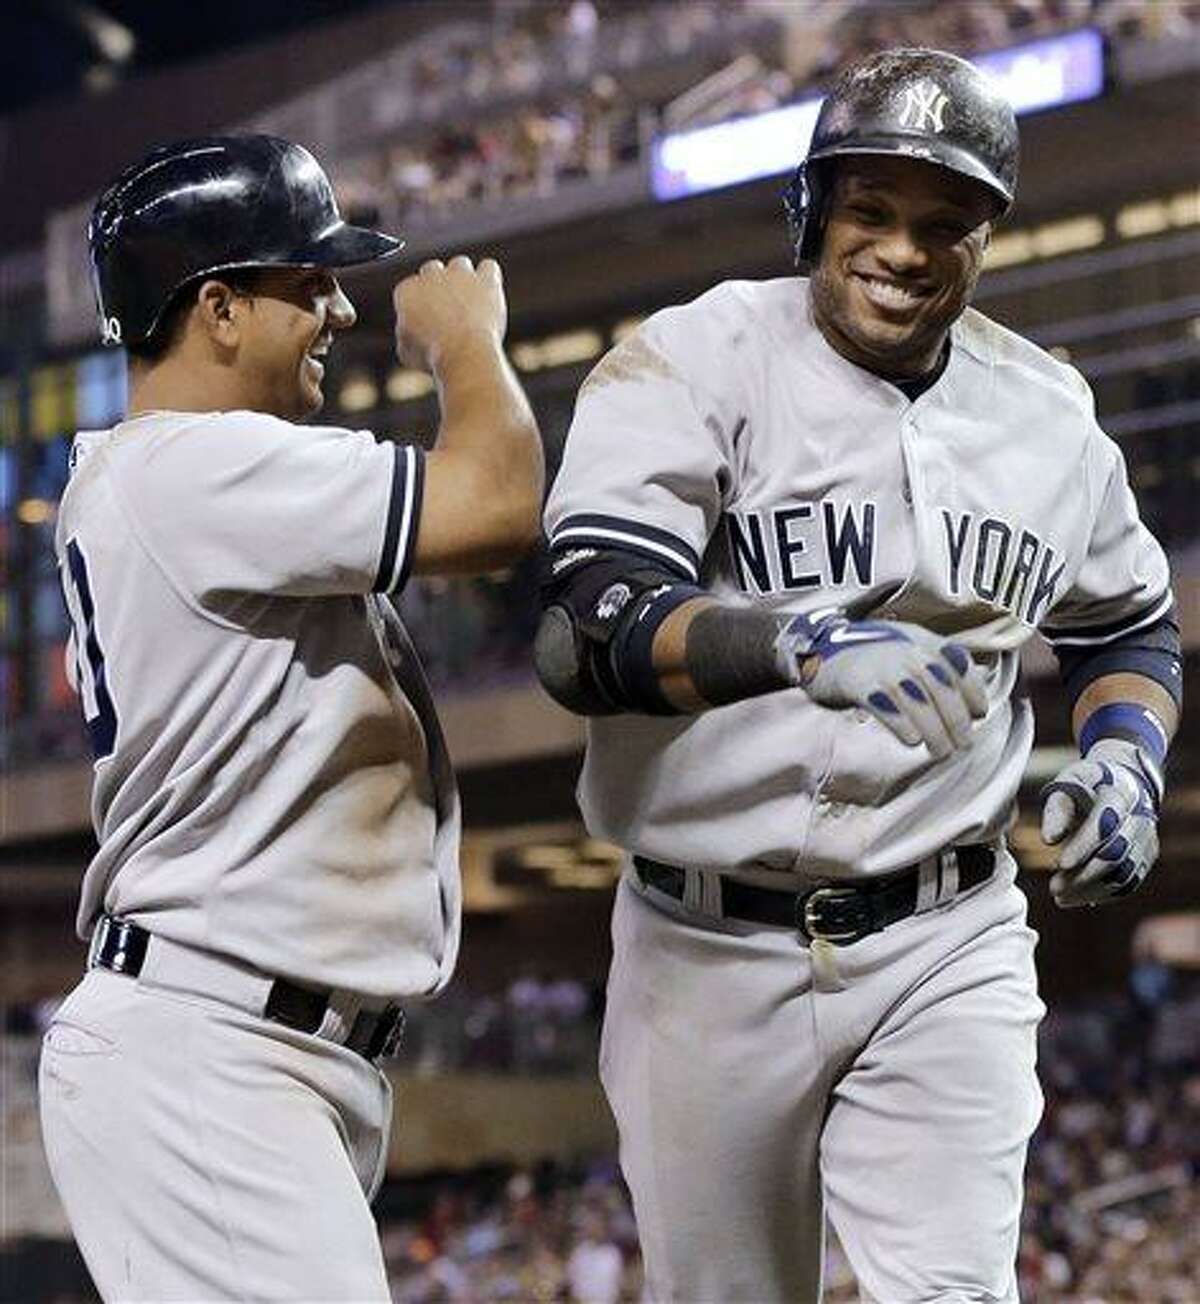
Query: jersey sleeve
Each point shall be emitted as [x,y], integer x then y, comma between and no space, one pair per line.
[1124,583]
[248,503]
[649,452]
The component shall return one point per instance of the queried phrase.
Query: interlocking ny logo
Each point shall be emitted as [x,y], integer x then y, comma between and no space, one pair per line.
[924,104]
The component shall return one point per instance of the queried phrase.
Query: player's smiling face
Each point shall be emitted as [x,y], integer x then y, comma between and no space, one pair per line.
[296,313]
[901,252]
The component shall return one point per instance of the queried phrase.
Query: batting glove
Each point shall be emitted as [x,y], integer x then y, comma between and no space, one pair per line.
[921,687]
[1102,813]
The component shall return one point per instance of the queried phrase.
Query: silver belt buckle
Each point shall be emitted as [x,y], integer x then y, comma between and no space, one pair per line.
[848,911]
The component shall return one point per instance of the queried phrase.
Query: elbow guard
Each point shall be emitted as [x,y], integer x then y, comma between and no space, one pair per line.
[564,667]
[594,647]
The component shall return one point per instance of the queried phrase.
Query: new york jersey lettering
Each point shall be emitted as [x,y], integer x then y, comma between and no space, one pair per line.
[991,560]
[802,546]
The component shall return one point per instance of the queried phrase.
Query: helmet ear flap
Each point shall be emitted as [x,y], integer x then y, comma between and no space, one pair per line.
[795,207]
[804,203]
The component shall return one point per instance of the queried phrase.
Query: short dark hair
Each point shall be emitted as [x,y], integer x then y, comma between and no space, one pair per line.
[242,280]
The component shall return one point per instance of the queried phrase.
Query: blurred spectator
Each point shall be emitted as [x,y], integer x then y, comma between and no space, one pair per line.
[595,1266]
[552,1028]
[580,27]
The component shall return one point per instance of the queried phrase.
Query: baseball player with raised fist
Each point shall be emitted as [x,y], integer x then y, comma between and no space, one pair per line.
[277,820]
[801,530]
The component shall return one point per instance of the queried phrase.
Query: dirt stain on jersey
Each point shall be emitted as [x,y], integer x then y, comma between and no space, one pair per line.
[634,359]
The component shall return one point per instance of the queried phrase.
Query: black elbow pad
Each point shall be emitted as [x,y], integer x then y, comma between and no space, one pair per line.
[593,649]
[564,668]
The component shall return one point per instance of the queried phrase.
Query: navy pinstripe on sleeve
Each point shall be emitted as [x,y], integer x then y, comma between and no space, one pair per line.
[403,516]
[1100,634]
[603,532]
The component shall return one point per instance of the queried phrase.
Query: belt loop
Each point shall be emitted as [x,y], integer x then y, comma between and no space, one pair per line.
[96,941]
[711,897]
[929,882]
[340,1013]
[948,860]
[693,891]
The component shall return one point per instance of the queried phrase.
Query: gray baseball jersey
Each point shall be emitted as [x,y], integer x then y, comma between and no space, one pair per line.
[270,781]
[727,440]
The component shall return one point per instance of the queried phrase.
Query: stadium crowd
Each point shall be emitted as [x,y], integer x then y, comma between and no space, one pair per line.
[527,102]
[1112,1203]
[560,94]
[540,1025]
[547,1234]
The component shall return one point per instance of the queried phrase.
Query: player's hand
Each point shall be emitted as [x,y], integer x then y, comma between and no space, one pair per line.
[1102,814]
[922,687]
[444,307]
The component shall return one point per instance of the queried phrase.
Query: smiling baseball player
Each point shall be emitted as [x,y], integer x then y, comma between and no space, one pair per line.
[276,815]
[801,530]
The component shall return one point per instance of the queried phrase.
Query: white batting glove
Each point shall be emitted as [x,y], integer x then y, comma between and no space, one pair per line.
[920,686]
[1102,813]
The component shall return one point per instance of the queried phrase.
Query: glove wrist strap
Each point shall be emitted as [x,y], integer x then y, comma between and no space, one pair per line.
[1133,756]
[1130,722]
[797,648]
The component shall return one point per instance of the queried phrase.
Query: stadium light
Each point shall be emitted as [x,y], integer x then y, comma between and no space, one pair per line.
[358,393]
[1146,218]
[404,384]
[1082,232]
[557,350]
[34,511]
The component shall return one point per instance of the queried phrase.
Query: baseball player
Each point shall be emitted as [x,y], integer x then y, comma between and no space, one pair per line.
[277,820]
[801,530]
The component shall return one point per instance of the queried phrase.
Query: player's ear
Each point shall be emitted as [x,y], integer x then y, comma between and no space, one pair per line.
[221,311]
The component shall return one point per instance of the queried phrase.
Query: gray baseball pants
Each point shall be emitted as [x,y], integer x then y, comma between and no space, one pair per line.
[891,1082]
[204,1153]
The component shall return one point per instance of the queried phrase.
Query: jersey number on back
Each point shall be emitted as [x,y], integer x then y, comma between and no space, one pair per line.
[98,708]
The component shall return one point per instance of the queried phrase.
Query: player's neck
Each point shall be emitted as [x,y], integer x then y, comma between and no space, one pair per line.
[177,384]
[912,387]
[920,370]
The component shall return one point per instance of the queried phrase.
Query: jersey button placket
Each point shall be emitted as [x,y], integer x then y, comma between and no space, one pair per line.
[908,428]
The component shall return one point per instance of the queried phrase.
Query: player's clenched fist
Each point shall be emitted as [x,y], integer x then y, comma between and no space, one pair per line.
[1101,812]
[447,305]
[923,688]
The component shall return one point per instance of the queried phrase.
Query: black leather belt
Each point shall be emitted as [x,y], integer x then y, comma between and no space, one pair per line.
[839,913]
[120,945]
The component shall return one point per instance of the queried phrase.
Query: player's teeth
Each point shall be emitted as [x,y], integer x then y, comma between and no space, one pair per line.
[888,293]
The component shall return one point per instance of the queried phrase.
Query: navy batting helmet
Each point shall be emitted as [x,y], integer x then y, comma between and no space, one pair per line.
[922,104]
[196,207]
